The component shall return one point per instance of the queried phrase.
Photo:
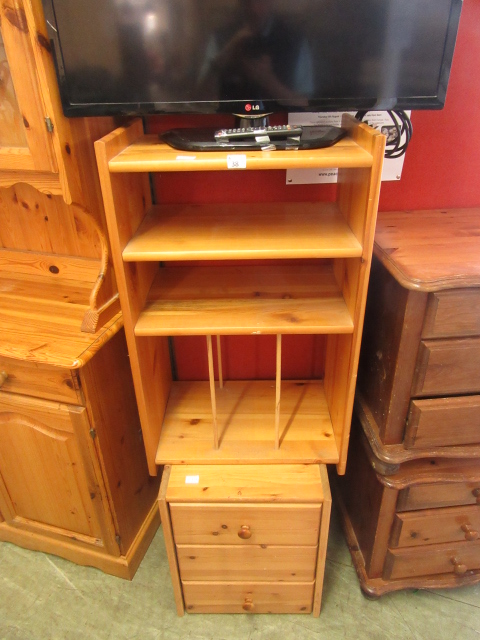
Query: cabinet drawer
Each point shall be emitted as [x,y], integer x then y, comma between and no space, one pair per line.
[453,313]
[439,558]
[251,563]
[434,526]
[443,422]
[255,597]
[40,381]
[435,495]
[246,524]
[447,367]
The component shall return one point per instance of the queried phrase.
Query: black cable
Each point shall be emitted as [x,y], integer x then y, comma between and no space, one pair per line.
[403,129]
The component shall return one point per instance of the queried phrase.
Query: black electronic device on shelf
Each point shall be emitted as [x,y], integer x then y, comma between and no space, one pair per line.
[125,57]
[253,138]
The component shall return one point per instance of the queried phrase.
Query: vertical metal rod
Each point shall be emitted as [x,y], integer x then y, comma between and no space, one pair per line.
[277,390]
[212,391]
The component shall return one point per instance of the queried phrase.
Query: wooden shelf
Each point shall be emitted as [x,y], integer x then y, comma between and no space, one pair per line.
[246,424]
[148,153]
[196,300]
[243,231]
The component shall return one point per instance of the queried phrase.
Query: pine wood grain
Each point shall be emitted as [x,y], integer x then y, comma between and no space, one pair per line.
[169,540]
[148,153]
[285,524]
[126,198]
[124,154]
[322,541]
[245,415]
[37,437]
[240,231]
[244,300]
[40,320]
[39,380]
[252,563]
[242,597]
[249,483]
[36,152]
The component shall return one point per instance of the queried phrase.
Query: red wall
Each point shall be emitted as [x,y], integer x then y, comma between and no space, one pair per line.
[440,170]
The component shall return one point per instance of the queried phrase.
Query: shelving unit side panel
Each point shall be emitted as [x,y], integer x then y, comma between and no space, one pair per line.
[358,195]
[353,195]
[126,199]
[359,189]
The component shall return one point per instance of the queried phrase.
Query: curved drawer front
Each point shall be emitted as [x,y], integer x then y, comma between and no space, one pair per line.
[255,597]
[246,524]
[434,526]
[252,563]
[441,494]
[457,558]
[443,422]
[447,367]
[37,380]
[452,313]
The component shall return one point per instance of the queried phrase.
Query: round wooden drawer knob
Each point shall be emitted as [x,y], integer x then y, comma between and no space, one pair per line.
[3,377]
[245,532]
[470,534]
[248,605]
[458,567]
[476,493]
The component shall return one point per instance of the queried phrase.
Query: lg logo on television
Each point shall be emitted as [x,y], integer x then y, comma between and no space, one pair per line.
[252,107]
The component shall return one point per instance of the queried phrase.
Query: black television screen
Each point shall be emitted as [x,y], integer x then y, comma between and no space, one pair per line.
[210,56]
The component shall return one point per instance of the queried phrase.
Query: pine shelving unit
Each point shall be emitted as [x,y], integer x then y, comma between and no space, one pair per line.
[255,421]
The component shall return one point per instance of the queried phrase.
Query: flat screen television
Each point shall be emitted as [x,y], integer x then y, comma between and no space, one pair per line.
[239,56]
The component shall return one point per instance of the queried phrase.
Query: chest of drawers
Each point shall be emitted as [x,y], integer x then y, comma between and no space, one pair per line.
[415,521]
[418,389]
[246,538]
[416,528]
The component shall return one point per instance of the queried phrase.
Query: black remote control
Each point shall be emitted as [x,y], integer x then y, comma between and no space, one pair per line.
[245,133]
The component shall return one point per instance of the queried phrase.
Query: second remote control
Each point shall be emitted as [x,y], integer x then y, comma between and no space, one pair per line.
[280,131]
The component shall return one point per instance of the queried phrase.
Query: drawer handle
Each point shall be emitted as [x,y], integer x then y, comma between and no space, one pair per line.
[245,532]
[470,534]
[248,605]
[3,378]
[476,493]
[458,567]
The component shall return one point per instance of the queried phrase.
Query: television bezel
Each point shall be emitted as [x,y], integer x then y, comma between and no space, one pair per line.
[246,107]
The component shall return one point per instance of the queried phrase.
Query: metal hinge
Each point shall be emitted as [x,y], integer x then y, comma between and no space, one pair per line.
[118,539]
[93,434]
[49,124]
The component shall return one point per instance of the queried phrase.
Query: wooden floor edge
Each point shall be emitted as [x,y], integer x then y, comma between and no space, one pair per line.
[121,567]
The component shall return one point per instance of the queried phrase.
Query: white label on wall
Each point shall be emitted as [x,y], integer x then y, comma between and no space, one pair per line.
[392,167]
[192,479]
